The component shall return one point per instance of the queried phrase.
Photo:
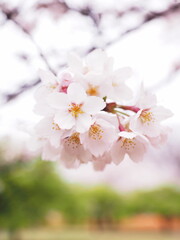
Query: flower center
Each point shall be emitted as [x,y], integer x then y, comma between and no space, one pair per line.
[128,144]
[92,90]
[52,85]
[75,109]
[73,141]
[114,84]
[95,132]
[146,117]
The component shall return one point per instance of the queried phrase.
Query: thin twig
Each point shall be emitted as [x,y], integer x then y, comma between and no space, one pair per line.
[10,16]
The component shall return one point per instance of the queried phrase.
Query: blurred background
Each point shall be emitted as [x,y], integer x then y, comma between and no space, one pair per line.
[43,200]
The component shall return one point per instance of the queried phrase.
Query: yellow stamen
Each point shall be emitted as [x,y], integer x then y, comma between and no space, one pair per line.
[55,126]
[128,144]
[75,109]
[146,117]
[92,90]
[73,141]
[95,132]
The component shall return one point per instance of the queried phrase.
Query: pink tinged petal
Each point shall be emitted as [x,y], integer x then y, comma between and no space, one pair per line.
[117,152]
[68,159]
[83,155]
[83,122]
[64,119]
[96,146]
[161,139]
[161,113]
[153,130]
[50,153]
[109,131]
[99,165]
[149,128]
[108,117]
[145,99]
[99,138]
[137,154]
[44,127]
[55,139]
[73,149]
[58,100]
[93,105]
[47,77]
[76,93]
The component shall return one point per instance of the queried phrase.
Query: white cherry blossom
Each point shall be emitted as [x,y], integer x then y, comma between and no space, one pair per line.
[50,84]
[148,121]
[48,129]
[99,138]
[94,84]
[73,152]
[74,109]
[118,90]
[131,144]
[95,62]
[85,118]
[42,145]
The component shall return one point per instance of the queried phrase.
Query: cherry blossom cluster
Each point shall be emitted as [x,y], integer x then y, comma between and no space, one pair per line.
[86,118]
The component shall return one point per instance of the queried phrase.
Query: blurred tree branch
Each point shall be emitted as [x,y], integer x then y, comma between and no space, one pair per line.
[11,15]
[61,7]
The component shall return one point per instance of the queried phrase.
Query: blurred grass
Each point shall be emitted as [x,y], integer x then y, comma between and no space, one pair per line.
[85,235]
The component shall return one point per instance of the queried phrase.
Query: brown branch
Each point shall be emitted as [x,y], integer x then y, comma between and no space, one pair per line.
[11,15]
[147,18]
[7,97]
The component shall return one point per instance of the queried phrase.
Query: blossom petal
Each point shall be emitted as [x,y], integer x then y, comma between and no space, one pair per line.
[43,127]
[93,105]
[47,77]
[76,93]
[117,153]
[161,113]
[64,120]
[50,153]
[58,100]
[83,123]
[138,153]
[96,60]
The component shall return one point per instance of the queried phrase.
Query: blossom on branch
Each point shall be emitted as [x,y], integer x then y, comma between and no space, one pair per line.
[86,119]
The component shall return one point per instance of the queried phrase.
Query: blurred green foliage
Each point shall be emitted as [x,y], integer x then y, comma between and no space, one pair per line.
[164,201]
[29,190]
